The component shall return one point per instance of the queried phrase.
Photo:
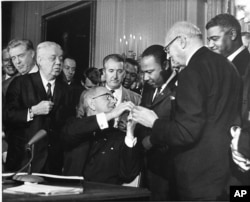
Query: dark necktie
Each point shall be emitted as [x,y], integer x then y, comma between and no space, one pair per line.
[49,94]
[112,91]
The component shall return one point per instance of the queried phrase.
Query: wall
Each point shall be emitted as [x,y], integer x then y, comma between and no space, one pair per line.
[115,18]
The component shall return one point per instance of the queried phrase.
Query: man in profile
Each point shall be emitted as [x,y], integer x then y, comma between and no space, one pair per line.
[34,102]
[22,54]
[224,37]
[207,100]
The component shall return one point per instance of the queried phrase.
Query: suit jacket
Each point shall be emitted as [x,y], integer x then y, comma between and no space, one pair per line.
[241,61]
[109,160]
[159,156]
[24,92]
[207,101]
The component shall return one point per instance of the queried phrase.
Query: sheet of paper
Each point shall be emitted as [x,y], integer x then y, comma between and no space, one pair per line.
[43,190]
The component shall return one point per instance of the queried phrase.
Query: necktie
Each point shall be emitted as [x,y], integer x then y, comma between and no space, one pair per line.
[112,91]
[49,94]
[157,92]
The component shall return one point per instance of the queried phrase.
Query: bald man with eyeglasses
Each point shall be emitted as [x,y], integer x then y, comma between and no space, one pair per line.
[111,155]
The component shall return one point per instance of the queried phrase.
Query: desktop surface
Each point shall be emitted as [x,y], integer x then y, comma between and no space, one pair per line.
[92,191]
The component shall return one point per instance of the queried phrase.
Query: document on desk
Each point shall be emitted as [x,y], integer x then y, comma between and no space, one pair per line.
[43,190]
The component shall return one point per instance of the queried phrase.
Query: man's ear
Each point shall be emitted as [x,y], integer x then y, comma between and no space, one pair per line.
[91,104]
[233,34]
[183,41]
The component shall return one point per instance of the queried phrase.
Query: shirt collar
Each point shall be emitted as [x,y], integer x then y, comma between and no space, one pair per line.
[45,82]
[235,53]
[190,56]
[34,69]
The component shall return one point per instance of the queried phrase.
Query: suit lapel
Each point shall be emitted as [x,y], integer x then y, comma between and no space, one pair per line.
[57,92]
[165,93]
[38,86]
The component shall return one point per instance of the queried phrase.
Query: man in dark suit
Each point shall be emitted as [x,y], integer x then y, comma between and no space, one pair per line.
[158,95]
[207,100]
[112,157]
[240,144]
[224,37]
[34,102]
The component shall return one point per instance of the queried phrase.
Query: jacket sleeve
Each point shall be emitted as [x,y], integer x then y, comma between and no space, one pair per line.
[130,163]
[15,111]
[190,115]
[77,130]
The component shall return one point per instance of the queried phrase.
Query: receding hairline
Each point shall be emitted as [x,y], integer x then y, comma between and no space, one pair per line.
[45,45]
[183,28]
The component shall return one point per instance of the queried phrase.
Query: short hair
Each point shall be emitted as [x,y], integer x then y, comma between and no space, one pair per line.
[132,62]
[93,74]
[246,34]
[184,28]
[18,42]
[46,44]
[225,20]
[115,57]
[69,57]
[157,51]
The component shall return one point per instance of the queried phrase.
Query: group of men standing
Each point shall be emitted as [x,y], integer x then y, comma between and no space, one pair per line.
[177,133]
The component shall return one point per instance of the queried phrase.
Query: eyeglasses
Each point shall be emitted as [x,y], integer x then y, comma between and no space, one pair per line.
[108,96]
[166,48]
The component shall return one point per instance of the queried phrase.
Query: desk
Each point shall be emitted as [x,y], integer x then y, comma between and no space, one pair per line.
[92,191]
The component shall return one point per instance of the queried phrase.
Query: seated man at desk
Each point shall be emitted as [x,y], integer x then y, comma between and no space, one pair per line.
[112,156]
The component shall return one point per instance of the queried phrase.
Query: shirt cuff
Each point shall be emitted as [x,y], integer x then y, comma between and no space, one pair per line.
[130,142]
[102,121]
[28,116]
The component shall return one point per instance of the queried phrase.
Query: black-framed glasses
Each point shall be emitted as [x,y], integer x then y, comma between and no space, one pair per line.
[166,48]
[109,97]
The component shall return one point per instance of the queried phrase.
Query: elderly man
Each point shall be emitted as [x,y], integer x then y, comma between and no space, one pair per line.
[207,100]
[112,157]
[33,102]
[22,55]
[224,37]
[114,74]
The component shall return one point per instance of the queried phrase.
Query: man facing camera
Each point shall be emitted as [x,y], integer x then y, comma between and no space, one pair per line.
[114,73]
[112,157]
[34,102]
[22,54]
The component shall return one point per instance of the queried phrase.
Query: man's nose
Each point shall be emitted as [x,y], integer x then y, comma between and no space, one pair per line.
[145,77]
[210,44]
[58,61]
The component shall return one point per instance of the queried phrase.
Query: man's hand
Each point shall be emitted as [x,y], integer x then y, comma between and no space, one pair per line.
[42,108]
[117,111]
[144,116]
[146,143]
[243,163]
